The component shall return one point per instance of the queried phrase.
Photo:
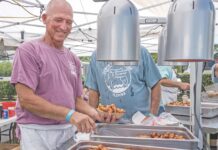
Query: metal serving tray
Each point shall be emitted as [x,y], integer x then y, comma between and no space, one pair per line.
[210,125]
[123,133]
[207,99]
[209,110]
[86,145]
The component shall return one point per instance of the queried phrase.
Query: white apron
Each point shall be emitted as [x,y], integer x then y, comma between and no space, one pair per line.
[44,137]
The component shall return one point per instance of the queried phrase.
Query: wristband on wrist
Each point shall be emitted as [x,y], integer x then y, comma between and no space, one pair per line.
[151,115]
[69,114]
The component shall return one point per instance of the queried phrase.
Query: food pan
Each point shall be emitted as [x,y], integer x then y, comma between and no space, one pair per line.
[210,125]
[87,145]
[205,98]
[209,110]
[130,134]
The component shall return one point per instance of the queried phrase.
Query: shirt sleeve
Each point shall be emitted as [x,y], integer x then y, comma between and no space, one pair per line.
[25,67]
[91,81]
[165,72]
[151,72]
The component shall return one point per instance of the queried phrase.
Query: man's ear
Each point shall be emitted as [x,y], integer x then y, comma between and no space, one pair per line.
[44,18]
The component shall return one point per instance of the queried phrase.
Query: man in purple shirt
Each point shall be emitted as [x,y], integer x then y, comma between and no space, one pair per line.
[47,79]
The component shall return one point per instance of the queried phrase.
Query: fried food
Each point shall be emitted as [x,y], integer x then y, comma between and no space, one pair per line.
[99,147]
[212,93]
[110,108]
[165,135]
[179,103]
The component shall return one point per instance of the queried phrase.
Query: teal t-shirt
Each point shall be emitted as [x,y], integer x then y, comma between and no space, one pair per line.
[166,72]
[128,87]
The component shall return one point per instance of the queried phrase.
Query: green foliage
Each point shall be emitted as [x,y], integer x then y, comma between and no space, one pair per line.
[216,48]
[154,56]
[6,90]
[206,79]
[179,69]
[85,58]
[5,69]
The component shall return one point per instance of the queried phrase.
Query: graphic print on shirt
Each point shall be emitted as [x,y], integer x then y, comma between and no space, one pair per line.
[72,68]
[117,79]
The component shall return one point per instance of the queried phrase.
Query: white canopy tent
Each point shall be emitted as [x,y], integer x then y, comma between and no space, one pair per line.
[20,21]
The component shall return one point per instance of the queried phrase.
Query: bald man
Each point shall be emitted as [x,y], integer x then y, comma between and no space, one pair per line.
[47,79]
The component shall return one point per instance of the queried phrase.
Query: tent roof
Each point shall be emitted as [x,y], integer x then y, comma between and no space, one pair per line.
[20,21]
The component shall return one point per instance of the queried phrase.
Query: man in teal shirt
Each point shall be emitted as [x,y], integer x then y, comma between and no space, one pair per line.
[133,88]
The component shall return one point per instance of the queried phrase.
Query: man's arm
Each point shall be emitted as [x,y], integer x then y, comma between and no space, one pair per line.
[93,98]
[83,107]
[41,107]
[155,98]
[171,83]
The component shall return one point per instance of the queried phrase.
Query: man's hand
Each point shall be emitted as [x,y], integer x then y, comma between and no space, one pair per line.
[83,122]
[108,117]
[184,86]
[103,117]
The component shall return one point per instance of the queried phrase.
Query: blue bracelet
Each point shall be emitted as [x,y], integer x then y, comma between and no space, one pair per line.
[69,114]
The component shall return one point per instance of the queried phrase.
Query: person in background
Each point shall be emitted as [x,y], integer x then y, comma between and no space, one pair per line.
[47,79]
[133,88]
[169,86]
[214,74]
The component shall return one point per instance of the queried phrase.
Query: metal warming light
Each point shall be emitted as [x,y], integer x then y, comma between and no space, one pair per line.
[162,51]
[118,33]
[190,38]
[190,30]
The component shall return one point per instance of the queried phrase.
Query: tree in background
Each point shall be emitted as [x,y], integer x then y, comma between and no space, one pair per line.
[154,56]
[216,48]
[6,89]
[5,68]
[85,58]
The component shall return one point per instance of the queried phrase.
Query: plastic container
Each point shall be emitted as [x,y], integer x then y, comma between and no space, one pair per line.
[11,111]
[8,104]
[5,114]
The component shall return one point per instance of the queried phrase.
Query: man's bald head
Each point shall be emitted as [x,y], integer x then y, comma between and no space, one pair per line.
[57,4]
[58,20]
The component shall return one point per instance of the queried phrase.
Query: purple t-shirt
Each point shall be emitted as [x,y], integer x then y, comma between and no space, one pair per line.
[52,74]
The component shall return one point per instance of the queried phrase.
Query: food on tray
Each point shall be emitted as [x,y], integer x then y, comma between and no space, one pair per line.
[212,93]
[113,109]
[110,108]
[99,147]
[165,135]
[179,103]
